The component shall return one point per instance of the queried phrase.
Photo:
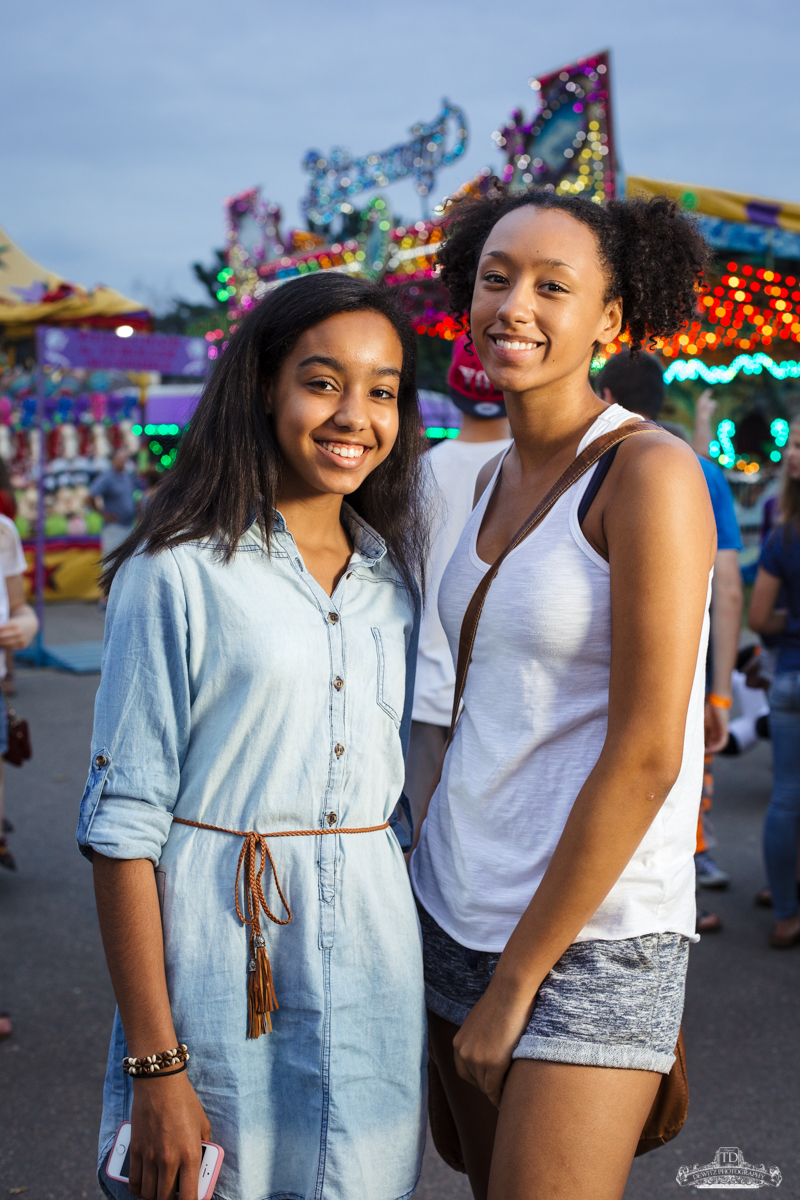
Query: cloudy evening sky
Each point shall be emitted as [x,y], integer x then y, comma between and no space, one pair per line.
[125,125]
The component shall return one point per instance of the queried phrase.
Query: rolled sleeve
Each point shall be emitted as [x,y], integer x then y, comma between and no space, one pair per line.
[142,714]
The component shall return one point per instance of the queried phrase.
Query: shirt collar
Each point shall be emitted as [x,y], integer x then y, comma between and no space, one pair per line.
[369,546]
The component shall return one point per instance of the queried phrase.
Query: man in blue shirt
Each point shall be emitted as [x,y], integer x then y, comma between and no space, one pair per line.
[112,495]
[639,386]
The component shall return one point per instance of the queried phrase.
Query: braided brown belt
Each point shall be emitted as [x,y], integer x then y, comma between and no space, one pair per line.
[261,999]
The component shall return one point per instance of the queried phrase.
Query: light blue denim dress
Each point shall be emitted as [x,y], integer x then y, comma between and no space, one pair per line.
[243,696]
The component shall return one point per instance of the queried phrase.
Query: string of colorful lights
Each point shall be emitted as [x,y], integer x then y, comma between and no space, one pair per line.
[750,364]
[750,306]
[722,448]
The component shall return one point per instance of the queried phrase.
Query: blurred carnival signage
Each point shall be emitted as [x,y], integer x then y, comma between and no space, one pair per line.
[338,178]
[567,144]
[166,353]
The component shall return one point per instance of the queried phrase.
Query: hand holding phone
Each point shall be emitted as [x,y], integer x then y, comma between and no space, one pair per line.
[168,1127]
[119,1162]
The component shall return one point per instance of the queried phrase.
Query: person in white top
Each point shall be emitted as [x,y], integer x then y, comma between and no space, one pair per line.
[554,872]
[453,469]
[18,627]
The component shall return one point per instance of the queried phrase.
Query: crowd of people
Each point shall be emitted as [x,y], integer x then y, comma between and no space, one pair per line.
[402,763]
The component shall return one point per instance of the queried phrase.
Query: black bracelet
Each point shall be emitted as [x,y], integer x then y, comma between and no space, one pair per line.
[160,1074]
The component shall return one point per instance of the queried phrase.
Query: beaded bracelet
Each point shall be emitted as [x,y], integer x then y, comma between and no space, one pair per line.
[154,1063]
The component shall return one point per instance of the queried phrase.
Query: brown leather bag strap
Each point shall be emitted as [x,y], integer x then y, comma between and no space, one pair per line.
[578,467]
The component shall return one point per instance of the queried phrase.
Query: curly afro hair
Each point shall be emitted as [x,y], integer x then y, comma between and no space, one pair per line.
[653,254]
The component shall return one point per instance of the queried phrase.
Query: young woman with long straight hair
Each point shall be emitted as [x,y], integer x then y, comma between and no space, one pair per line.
[555,872]
[247,760]
[775,609]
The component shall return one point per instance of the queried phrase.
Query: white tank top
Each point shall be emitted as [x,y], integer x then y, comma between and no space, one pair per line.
[533,725]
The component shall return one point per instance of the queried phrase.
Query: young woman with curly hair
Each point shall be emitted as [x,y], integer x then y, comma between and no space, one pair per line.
[254,708]
[555,871]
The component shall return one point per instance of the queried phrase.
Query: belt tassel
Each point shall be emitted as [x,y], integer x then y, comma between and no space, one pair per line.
[255,853]
[261,998]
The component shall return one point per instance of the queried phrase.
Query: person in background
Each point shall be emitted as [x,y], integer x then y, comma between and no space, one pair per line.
[150,481]
[18,627]
[703,433]
[639,386]
[454,466]
[779,571]
[8,503]
[112,495]
[8,508]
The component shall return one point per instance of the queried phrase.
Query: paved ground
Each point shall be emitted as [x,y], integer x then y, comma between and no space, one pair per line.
[741,1018]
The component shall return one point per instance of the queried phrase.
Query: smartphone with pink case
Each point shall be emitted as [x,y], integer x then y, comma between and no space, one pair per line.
[119,1162]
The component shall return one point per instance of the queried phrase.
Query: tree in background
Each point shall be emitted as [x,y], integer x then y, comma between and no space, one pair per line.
[196,320]
[209,277]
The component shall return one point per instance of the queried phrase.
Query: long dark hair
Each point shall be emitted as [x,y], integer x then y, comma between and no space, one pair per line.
[228,470]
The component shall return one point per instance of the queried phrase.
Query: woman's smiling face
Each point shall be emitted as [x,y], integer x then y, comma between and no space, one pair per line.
[539,303]
[334,403]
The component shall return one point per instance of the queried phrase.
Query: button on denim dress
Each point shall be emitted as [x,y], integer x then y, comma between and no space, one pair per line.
[242,695]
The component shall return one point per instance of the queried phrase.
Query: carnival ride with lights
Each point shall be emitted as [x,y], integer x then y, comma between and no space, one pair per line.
[751,304]
[746,331]
[566,145]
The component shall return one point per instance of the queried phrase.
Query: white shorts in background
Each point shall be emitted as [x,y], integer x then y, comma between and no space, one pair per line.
[112,535]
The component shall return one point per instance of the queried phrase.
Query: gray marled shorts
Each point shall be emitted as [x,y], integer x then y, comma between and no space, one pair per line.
[604,1003]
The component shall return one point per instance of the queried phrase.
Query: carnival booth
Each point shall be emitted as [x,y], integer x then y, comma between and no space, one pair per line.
[86,414]
[76,372]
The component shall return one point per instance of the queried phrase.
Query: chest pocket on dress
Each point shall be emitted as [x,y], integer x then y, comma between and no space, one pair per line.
[391,678]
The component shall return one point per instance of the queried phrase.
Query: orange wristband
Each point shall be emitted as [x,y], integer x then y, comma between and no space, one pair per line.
[719,701]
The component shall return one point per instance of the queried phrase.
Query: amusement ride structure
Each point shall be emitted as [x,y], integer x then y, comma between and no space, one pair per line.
[746,327]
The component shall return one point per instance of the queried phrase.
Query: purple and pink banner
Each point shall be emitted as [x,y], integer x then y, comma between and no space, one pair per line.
[166,353]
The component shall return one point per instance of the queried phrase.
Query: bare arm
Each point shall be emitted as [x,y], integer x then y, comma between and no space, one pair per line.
[726,623]
[22,626]
[762,617]
[168,1121]
[703,413]
[659,529]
